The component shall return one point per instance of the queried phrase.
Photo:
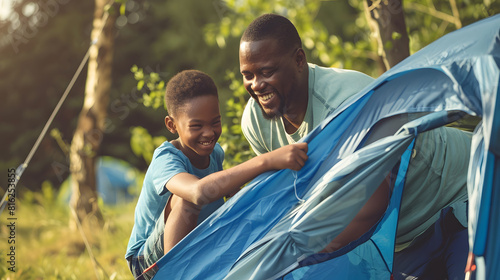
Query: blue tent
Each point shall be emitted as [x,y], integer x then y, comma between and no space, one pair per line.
[115,180]
[275,226]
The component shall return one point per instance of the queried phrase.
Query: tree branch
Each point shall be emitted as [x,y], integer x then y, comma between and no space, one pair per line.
[437,14]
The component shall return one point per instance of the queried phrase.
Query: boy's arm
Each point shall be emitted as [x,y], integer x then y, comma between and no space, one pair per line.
[219,184]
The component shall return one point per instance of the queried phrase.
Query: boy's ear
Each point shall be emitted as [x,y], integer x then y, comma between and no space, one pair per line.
[169,123]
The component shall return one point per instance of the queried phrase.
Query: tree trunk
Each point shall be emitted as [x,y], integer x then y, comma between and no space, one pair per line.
[89,131]
[387,22]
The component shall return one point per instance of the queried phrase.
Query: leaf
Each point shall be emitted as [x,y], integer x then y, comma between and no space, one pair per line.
[161,85]
[396,36]
[123,6]
[140,84]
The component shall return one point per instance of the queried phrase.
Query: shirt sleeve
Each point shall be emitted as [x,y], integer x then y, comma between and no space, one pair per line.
[219,156]
[165,166]
[336,86]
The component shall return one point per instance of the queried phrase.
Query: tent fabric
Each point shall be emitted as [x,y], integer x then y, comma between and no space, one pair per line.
[363,260]
[265,232]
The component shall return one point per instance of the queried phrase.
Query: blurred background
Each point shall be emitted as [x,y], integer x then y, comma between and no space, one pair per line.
[42,43]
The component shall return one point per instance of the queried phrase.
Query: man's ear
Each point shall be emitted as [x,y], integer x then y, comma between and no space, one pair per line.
[300,58]
[169,123]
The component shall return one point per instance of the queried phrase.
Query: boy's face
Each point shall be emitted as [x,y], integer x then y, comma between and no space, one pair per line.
[198,123]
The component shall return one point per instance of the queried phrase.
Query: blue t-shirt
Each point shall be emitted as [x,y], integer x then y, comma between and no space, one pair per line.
[167,162]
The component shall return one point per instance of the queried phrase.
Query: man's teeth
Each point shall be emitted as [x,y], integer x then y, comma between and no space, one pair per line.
[267,96]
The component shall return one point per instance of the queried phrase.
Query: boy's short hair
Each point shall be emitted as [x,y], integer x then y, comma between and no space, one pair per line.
[187,85]
[275,27]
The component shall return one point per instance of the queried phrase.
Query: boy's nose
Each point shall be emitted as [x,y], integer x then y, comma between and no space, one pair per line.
[208,132]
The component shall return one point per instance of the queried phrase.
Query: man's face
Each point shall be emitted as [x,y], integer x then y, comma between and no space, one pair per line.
[269,75]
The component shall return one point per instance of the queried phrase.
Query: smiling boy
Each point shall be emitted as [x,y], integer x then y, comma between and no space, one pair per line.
[185,182]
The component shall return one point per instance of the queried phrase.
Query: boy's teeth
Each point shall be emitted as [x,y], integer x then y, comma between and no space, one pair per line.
[206,143]
[267,96]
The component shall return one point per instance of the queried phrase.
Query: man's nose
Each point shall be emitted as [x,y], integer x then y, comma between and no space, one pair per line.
[257,84]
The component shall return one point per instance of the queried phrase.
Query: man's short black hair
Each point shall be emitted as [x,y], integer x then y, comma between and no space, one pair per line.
[187,85]
[273,26]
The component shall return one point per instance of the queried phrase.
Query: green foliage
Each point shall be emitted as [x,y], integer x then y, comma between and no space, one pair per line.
[37,61]
[236,147]
[152,85]
[46,248]
[45,199]
[123,6]
[442,17]
[153,89]
[336,33]
[338,41]
[143,144]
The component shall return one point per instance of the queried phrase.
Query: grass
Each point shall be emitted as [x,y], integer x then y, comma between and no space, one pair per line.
[47,248]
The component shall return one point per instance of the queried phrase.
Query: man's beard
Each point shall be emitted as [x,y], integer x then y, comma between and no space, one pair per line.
[274,115]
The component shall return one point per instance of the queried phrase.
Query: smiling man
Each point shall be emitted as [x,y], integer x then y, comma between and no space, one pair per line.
[289,96]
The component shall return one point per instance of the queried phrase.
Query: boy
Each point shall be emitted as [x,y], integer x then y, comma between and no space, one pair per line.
[185,182]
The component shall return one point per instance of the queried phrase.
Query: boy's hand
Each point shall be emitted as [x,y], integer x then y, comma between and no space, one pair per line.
[292,156]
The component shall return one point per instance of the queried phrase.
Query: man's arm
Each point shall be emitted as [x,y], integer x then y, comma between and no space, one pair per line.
[367,217]
[375,207]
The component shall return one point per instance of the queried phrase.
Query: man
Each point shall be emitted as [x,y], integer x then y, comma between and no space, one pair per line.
[279,79]
[290,97]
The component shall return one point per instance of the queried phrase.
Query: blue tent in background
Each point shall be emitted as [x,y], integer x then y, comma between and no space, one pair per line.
[115,180]
[275,226]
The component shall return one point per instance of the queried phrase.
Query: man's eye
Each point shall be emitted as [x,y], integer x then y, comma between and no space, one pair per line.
[267,74]
[248,77]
